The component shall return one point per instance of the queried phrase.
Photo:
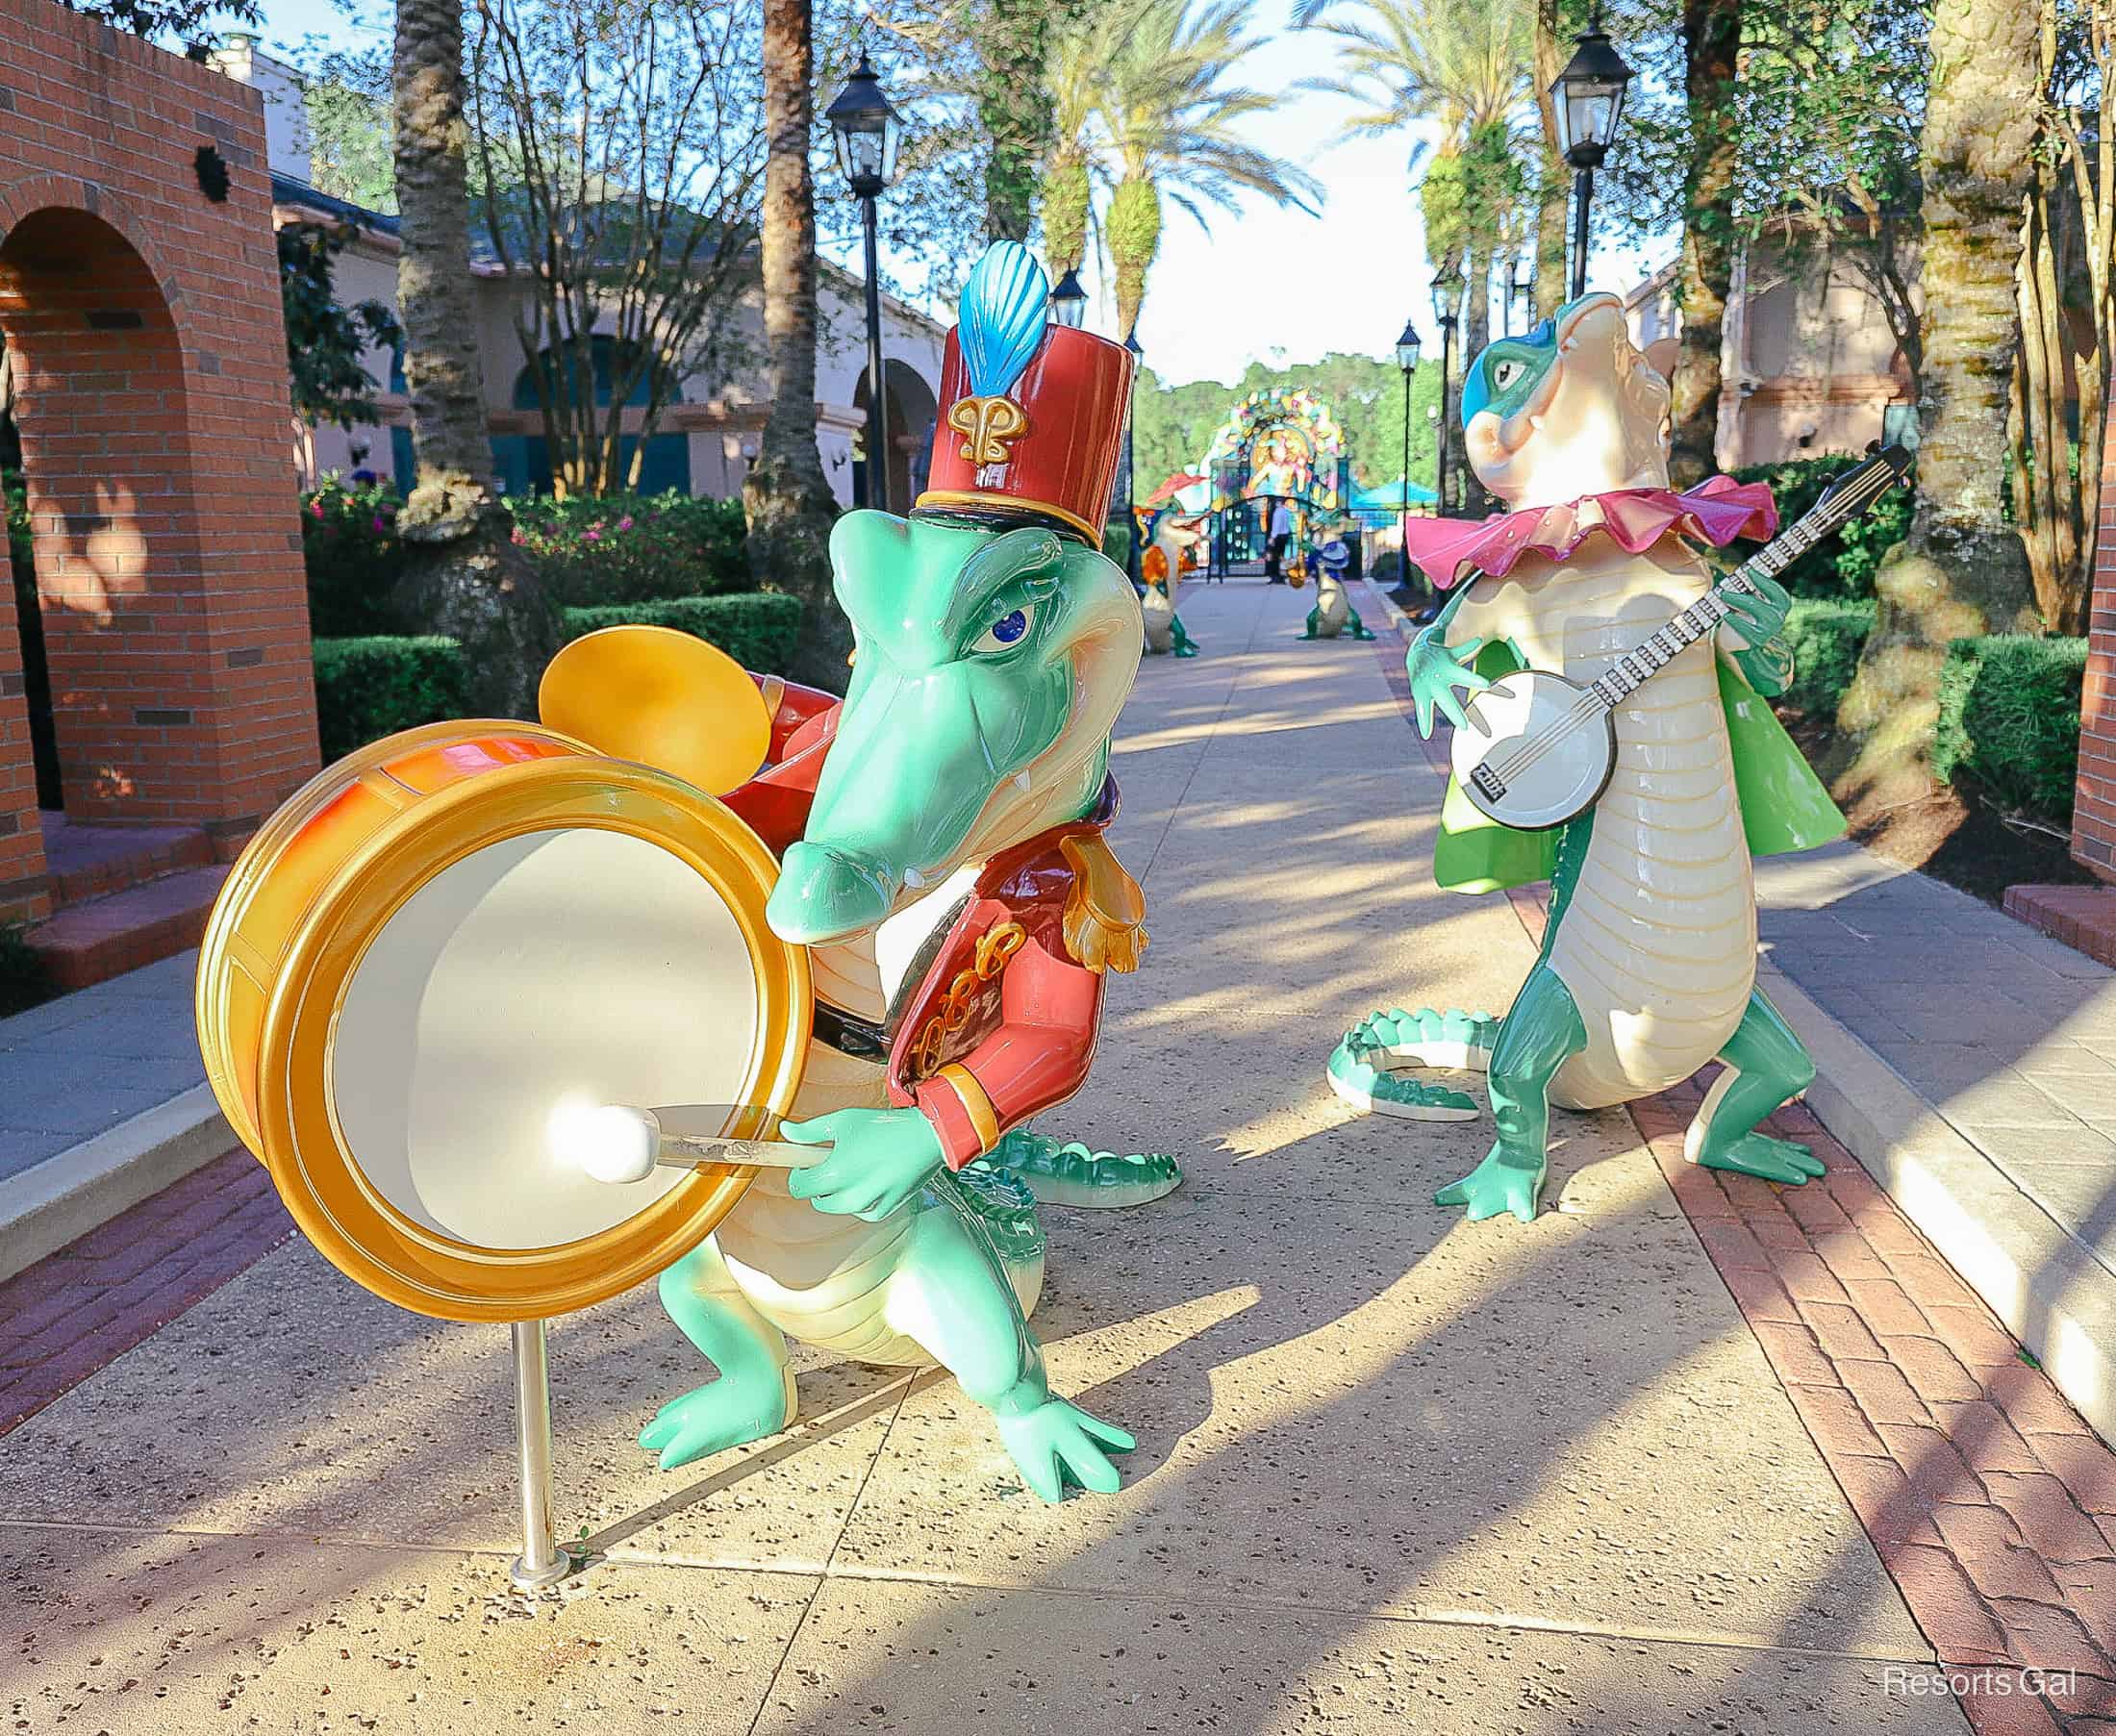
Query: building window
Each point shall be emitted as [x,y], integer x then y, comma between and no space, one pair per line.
[523,461]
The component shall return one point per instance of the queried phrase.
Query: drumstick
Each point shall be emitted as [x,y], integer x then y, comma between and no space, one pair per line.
[615,1143]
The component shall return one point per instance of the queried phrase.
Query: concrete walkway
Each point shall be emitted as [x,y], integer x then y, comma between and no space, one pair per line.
[1395,1472]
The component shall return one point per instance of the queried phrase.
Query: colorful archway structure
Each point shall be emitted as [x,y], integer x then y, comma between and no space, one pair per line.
[1282,444]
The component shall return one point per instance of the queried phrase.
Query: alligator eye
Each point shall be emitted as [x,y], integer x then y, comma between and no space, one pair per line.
[1505,373]
[1006,632]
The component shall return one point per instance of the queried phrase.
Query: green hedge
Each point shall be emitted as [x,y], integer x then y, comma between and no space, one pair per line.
[757,630]
[1824,638]
[1842,565]
[2009,718]
[618,549]
[374,685]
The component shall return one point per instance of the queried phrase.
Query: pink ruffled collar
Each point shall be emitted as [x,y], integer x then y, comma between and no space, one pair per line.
[1717,511]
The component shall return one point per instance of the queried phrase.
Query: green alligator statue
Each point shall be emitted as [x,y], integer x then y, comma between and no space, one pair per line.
[943,858]
[1648,965]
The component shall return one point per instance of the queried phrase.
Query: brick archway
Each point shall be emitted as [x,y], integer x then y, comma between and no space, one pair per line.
[141,316]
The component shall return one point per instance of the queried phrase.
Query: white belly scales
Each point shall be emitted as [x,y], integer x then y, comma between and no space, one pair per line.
[820,1276]
[1657,945]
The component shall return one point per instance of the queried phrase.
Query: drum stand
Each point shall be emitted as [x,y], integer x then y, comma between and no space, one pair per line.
[541,1563]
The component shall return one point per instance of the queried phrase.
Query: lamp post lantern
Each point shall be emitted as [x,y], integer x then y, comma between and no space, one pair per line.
[1131,513]
[866,130]
[1447,291]
[1068,302]
[1588,97]
[1408,347]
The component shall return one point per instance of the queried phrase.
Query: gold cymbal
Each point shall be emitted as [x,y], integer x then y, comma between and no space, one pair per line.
[662,698]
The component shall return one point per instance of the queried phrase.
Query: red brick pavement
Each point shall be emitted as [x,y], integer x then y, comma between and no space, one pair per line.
[1990,1502]
[95,1298]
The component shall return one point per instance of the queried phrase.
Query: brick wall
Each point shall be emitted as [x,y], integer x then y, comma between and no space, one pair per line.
[144,320]
[2094,802]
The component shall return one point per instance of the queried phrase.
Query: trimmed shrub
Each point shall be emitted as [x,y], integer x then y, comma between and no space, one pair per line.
[24,982]
[372,686]
[626,549]
[350,550]
[757,630]
[2009,719]
[1842,565]
[1824,638]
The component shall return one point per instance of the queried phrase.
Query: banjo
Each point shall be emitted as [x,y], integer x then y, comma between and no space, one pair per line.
[1540,749]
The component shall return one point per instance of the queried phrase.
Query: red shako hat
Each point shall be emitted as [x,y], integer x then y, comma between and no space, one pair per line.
[1032,413]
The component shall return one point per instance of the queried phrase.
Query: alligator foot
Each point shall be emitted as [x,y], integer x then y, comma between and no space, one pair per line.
[1360,1069]
[1767,1159]
[1058,1442]
[1508,1180]
[720,1413]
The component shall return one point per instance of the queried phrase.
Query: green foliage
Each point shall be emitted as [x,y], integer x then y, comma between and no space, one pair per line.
[1844,565]
[626,549]
[1066,207]
[353,557]
[372,686]
[1173,425]
[14,494]
[171,22]
[350,150]
[325,341]
[618,549]
[757,630]
[24,982]
[1133,225]
[1825,638]
[2010,721]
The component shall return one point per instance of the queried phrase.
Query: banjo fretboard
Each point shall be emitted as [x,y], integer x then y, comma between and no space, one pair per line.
[1848,498]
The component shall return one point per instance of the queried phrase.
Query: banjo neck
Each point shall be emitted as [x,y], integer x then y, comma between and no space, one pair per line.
[1849,495]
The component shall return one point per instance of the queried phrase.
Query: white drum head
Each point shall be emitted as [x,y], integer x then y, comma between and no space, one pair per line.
[556,967]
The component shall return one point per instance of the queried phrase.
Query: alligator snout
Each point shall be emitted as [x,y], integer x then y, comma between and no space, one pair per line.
[823,892]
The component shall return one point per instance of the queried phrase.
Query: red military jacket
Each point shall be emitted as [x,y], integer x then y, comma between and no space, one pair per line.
[996,1019]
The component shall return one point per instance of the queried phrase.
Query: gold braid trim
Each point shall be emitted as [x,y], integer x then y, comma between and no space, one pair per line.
[1104,922]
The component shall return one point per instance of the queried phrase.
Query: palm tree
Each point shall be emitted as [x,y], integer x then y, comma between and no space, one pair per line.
[1554,180]
[784,496]
[1172,123]
[1711,41]
[1962,570]
[463,576]
[1464,64]
[1074,79]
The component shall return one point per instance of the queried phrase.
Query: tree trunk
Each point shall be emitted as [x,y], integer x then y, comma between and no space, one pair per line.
[1711,35]
[1554,180]
[787,502]
[1134,230]
[1014,112]
[463,576]
[1961,571]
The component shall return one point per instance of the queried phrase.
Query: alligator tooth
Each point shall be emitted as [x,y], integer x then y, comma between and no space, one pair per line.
[1536,422]
[914,879]
[1020,780]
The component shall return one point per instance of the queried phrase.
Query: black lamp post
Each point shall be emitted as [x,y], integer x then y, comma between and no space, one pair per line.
[1131,515]
[1523,290]
[1068,302]
[864,130]
[1447,291]
[1589,96]
[1406,358]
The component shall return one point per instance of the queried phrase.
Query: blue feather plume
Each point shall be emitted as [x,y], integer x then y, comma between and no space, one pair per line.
[1002,313]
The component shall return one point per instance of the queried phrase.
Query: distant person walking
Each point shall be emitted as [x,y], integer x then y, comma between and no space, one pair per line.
[1276,538]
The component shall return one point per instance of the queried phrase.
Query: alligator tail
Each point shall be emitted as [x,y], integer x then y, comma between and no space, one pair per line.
[1360,1071]
[1068,1173]
[1005,1208]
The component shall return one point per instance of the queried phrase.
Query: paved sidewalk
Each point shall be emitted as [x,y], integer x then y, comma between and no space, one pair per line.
[76,1067]
[2011,1034]
[1395,1471]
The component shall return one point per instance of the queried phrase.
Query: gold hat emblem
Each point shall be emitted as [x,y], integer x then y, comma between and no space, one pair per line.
[990,425]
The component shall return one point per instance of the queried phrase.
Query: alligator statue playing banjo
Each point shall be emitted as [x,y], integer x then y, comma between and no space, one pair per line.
[1640,784]
[943,858]
[1172,543]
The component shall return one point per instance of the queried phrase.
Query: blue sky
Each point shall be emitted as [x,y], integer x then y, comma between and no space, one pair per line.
[1265,283]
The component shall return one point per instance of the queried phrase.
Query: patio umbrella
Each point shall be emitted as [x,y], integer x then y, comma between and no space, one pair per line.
[1170,489]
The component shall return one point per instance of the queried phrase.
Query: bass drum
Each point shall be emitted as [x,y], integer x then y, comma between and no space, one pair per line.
[449,938]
